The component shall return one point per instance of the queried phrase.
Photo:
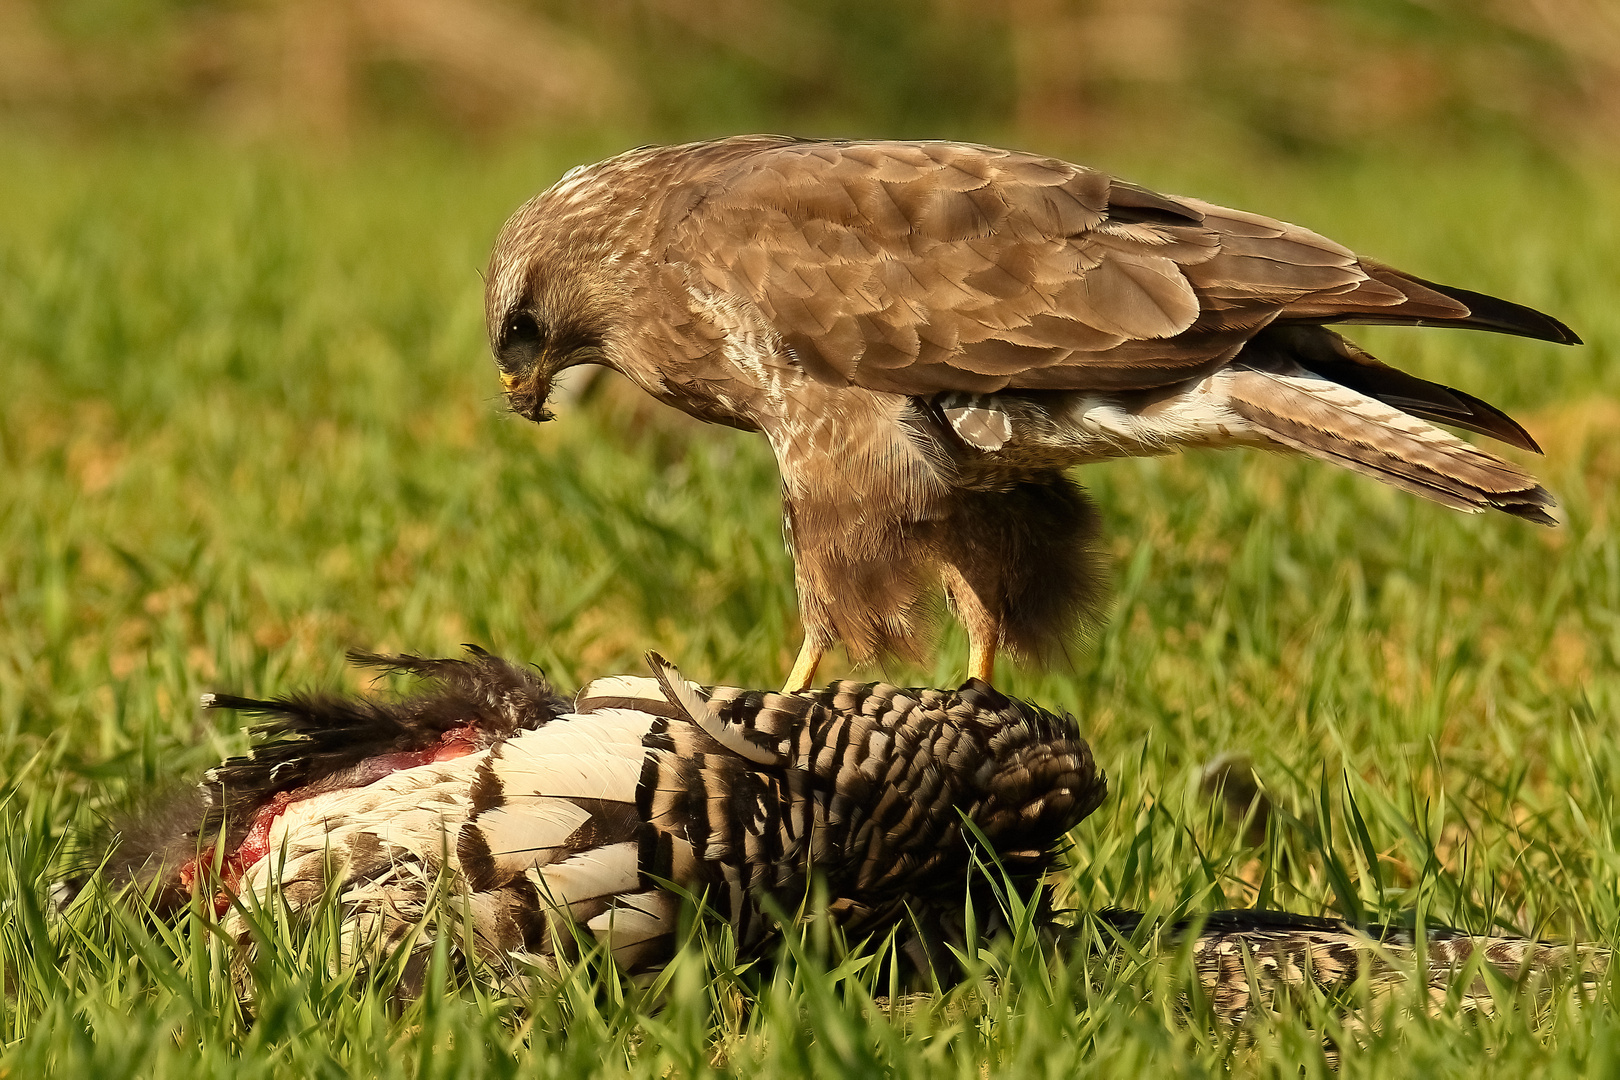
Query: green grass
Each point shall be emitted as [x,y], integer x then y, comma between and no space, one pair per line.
[248,422]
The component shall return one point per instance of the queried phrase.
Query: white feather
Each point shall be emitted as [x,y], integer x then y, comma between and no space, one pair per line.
[525,773]
[1103,426]
[689,697]
[602,871]
[409,803]
[528,832]
[634,919]
[611,730]
[630,687]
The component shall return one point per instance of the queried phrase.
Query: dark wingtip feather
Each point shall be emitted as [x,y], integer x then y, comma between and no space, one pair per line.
[1431,401]
[1530,507]
[1504,316]
[1429,303]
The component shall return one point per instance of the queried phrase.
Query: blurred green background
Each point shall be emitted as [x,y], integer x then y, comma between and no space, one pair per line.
[1290,75]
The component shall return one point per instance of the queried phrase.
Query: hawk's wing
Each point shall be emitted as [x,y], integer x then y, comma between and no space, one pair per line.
[920,267]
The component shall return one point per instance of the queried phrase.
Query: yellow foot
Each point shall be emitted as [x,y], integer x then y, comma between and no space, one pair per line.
[982,662]
[804,669]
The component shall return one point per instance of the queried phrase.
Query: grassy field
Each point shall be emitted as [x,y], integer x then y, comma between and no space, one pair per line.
[248,422]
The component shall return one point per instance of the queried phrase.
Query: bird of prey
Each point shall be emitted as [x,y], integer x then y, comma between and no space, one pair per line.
[549,824]
[930,333]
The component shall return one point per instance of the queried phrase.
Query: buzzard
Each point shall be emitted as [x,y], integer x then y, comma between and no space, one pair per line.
[930,333]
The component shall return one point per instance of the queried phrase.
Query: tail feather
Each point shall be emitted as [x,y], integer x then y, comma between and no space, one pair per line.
[1329,420]
[1331,356]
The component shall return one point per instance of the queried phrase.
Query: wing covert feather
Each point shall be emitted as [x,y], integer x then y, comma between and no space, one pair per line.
[919,267]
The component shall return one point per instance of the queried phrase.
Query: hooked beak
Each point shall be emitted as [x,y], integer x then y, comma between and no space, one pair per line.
[527,397]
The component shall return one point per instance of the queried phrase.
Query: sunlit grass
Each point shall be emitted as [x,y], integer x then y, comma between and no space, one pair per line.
[248,422]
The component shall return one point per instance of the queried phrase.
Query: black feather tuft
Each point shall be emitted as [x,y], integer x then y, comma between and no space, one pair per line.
[1030,551]
[316,740]
[144,844]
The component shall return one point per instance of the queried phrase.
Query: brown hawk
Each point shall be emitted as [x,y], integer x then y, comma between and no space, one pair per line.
[929,333]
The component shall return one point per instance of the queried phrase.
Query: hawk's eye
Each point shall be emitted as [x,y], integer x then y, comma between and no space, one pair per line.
[521,342]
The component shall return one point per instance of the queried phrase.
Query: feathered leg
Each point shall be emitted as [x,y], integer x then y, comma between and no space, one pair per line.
[1019,567]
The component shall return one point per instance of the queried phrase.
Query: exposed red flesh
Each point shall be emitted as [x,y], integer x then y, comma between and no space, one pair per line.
[255,845]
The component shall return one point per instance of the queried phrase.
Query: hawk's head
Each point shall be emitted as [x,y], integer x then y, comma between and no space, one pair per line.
[561,316]
[531,348]
[569,281]
[555,296]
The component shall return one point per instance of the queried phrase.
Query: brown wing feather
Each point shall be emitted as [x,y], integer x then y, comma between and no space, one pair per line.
[920,267]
